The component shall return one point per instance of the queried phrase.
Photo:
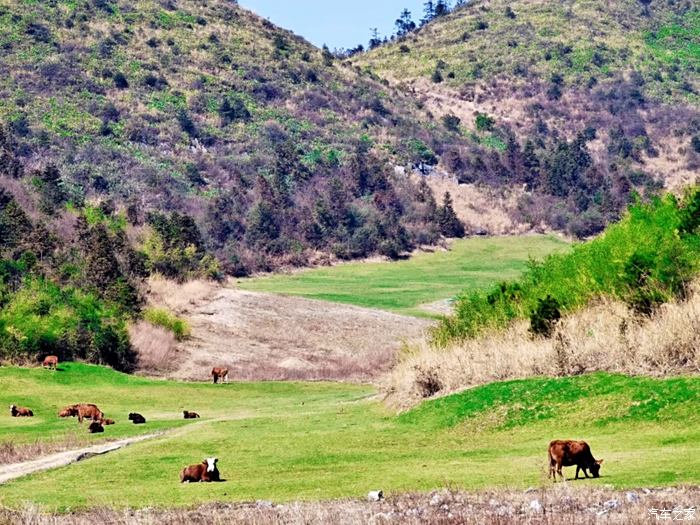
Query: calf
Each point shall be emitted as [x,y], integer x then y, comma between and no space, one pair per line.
[16,411]
[106,421]
[138,419]
[219,373]
[190,415]
[569,453]
[205,472]
[95,428]
[51,361]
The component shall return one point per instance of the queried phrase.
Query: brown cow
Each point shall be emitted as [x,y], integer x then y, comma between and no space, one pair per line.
[106,421]
[205,472]
[95,427]
[16,411]
[51,361]
[70,411]
[219,373]
[190,415]
[82,411]
[569,453]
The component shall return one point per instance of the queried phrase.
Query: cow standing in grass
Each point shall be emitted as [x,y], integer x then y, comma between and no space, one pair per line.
[219,374]
[51,362]
[569,453]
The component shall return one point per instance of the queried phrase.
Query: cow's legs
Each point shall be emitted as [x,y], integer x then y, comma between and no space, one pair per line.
[561,474]
[578,467]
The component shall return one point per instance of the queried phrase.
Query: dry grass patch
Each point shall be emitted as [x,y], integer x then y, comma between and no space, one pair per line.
[603,337]
[559,505]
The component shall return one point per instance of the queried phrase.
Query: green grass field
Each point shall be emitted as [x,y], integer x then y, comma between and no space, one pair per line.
[294,441]
[471,264]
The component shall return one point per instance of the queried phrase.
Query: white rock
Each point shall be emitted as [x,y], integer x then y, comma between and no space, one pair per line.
[632,497]
[611,504]
[535,505]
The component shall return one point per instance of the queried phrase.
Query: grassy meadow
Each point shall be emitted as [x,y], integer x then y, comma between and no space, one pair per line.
[403,286]
[293,441]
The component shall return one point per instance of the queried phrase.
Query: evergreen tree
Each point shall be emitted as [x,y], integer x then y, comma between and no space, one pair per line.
[442,7]
[449,223]
[375,40]
[404,24]
[428,12]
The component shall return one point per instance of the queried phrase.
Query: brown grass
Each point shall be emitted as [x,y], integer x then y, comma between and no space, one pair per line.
[156,346]
[14,453]
[559,505]
[260,336]
[603,337]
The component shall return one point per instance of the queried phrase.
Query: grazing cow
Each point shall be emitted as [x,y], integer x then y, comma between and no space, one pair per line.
[71,411]
[87,411]
[106,421]
[138,419]
[95,428]
[205,472]
[51,361]
[190,415]
[219,373]
[16,411]
[570,453]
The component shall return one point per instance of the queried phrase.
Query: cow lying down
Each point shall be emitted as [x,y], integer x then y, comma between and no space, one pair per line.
[16,411]
[204,472]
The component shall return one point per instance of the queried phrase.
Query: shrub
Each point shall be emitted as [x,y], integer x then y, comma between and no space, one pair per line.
[165,319]
[451,123]
[484,122]
[545,317]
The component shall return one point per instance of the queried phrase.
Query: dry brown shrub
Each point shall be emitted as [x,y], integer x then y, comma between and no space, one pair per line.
[603,337]
[156,346]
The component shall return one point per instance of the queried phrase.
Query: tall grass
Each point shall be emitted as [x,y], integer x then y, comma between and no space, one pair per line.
[646,259]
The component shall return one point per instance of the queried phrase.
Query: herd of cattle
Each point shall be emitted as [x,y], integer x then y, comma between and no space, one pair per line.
[559,453]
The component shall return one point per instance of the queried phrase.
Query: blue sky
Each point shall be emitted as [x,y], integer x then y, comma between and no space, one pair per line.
[344,23]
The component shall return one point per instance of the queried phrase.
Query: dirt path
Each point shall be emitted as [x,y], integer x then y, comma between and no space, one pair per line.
[261,336]
[62,459]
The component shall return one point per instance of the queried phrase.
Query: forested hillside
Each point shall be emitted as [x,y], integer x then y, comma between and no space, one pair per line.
[577,103]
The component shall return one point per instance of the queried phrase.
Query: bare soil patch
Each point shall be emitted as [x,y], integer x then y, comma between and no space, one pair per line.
[270,337]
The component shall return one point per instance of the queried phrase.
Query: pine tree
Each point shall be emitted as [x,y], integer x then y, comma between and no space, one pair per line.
[442,7]
[375,40]
[449,223]
[428,12]
[404,24]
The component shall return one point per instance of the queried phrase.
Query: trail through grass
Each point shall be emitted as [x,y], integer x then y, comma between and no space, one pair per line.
[403,286]
[293,441]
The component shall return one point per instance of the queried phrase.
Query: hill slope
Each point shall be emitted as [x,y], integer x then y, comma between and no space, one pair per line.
[610,86]
[209,110]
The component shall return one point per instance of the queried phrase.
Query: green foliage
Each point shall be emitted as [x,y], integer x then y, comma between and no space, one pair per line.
[545,316]
[450,225]
[641,260]
[43,318]
[484,122]
[165,319]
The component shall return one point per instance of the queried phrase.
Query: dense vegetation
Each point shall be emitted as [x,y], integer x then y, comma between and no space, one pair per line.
[648,258]
[580,103]
[317,441]
[266,145]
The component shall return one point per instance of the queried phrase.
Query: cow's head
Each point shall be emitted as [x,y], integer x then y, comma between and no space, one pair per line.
[595,468]
[211,464]
[12,408]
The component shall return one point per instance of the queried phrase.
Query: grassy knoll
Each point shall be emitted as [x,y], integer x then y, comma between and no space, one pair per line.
[287,441]
[402,286]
